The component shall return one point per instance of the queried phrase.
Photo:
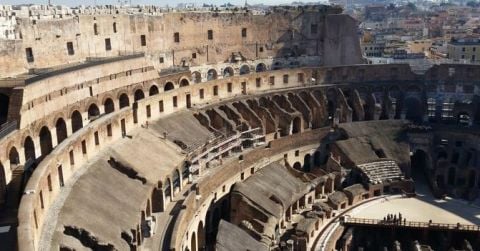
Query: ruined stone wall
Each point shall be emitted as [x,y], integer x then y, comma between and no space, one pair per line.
[60,41]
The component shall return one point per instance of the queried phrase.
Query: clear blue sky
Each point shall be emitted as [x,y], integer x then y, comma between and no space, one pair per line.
[171,3]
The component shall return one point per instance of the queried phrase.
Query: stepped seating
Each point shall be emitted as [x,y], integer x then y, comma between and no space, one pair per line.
[380,171]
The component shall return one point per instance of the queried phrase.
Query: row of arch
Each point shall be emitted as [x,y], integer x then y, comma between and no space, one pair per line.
[228,71]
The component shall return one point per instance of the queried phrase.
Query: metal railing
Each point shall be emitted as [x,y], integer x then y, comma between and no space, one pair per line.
[7,128]
[412,224]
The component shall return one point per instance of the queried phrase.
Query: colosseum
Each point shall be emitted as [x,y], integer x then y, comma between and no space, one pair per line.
[146,129]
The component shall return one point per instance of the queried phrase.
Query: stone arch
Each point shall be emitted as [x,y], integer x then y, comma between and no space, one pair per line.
[296,125]
[4,102]
[13,157]
[93,111]
[193,242]
[45,141]
[420,163]
[201,236]
[124,100]
[29,148]
[196,77]
[184,82]
[176,180]
[168,86]
[245,69]
[153,90]
[108,106]
[61,130]
[3,183]
[77,121]
[167,189]
[212,74]
[317,158]
[297,165]
[413,109]
[307,163]
[138,95]
[228,72]
[261,67]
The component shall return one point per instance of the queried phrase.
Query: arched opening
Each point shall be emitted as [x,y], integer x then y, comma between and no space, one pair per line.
[4,101]
[471,178]
[414,110]
[153,90]
[296,125]
[184,82]
[138,95]
[124,100]
[61,130]
[13,157]
[45,141]
[261,67]
[166,190]
[109,106]
[93,111]
[331,109]
[245,69]
[29,149]
[419,165]
[168,86]
[227,72]
[176,180]
[451,176]
[307,163]
[216,219]
[77,122]
[463,119]
[317,158]
[297,166]
[193,242]
[211,74]
[196,77]
[3,183]
[201,236]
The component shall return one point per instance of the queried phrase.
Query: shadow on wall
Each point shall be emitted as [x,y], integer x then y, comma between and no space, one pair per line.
[325,33]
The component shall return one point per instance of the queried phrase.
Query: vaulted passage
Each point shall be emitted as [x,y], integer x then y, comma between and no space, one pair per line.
[184,82]
[77,121]
[93,111]
[153,90]
[261,67]
[168,86]
[29,149]
[124,101]
[414,110]
[139,95]
[109,106]
[4,101]
[45,141]
[14,158]
[61,129]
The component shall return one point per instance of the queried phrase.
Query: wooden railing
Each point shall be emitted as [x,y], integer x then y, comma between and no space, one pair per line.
[410,224]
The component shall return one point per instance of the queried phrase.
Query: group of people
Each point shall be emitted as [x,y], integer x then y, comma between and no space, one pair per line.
[394,219]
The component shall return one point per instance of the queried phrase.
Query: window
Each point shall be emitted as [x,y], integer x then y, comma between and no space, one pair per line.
[175,101]
[242,176]
[72,158]
[297,153]
[108,45]
[161,60]
[109,130]
[176,37]
[463,48]
[210,34]
[84,147]
[285,79]
[194,55]
[160,105]
[229,87]
[143,40]
[301,78]
[149,112]
[261,49]
[244,32]
[272,80]
[49,183]
[258,82]
[313,29]
[114,27]
[70,49]
[215,90]
[201,93]
[29,54]
[95,29]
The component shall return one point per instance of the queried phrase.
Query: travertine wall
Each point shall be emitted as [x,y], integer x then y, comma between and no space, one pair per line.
[281,33]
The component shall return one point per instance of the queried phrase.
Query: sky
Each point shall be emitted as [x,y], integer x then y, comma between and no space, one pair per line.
[171,3]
